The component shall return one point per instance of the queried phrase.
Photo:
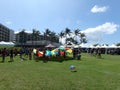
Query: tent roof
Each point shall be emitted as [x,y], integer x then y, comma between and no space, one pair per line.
[113,46]
[84,45]
[50,45]
[6,43]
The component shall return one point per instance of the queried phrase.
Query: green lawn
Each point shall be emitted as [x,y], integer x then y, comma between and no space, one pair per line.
[92,74]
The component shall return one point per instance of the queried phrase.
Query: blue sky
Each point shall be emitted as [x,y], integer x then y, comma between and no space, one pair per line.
[98,19]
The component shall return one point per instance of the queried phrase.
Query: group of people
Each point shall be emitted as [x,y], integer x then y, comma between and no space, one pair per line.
[96,52]
[14,52]
[27,53]
[30,53]
[4,52]
[76,53]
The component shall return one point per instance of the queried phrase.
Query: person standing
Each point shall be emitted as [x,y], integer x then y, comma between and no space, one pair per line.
[74,53]
[11,55]
[64,55]
[78,54]
[30,54]
[99,53]
[4,52]
[21,54]
[15,52]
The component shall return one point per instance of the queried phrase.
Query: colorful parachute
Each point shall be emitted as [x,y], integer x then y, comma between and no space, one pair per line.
[40,54]
[54,52]
[48,53]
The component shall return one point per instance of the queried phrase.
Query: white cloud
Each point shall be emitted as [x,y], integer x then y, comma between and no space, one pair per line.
[97,9]
[97,32]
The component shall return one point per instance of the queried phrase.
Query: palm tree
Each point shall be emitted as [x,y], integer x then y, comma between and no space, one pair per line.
[80,35]
[35,36]
[76,35]
[22,37]
[118,44]
[77,31]
[61,35]
[52,36]
[72,40]
[46,34]
[57,38]
[67,31]
[82,38]
[67,34]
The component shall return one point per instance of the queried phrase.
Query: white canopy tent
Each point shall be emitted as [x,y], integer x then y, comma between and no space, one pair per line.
[104,46]
[2,43]
[91,46]
[84,45]
[118,46]
[98,46]
[61,46]
[113,46]
[76,46]
[50,46]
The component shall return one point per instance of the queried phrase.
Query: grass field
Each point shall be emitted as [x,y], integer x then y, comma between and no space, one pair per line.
[92,74]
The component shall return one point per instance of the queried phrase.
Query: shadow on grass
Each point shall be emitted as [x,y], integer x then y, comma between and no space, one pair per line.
[54,59]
